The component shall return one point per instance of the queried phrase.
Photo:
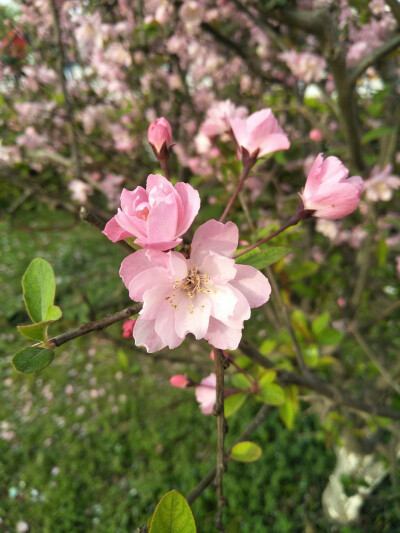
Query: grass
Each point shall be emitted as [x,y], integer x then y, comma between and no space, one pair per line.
[94,441]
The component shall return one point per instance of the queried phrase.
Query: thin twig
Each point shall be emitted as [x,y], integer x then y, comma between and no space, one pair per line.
[95,325]
[245,172]
[208,479]
[67,101]
[367,350]
[99,223]
[220,414]
[335,394]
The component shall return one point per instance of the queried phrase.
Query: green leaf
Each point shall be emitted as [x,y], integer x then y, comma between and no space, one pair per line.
[267,346]
[233,403]
[272,394]
[36,332]
[376,133]
[311,355]
[39,287]
[289,409]
[173,515]
[261,258]
[268,377]
[32,359]
[246,452]
[240,381]
[329,337]
[53,313]
[381,253]
[320,323]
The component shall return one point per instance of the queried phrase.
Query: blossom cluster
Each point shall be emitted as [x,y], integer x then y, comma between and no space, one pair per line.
[205,292]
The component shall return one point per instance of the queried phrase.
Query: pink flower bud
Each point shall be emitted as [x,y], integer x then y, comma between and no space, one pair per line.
[315,135]
[128,326]
[328,192]
[180,381]
[159,136]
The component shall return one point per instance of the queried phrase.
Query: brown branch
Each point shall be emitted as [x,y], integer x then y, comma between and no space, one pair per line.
[99,223]
[321,24]
[325,389]
[67,102]
[208,479]
[372,58]
[95,325]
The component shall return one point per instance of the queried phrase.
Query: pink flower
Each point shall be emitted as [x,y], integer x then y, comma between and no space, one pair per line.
[259,134]
[305,66]
[206,295]
[157,215]
[127,327]
[328,192]
[206,394]
[381,184]
[180,381]
[159,136]
[315,135]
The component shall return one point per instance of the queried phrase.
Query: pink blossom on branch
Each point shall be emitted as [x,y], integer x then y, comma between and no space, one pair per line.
[159,136]
[157,216]
[259,134]
[206,295]
[328,192]
[381,184]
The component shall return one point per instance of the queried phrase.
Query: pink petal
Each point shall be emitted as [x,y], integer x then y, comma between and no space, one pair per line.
[191,204]
[221,269]
[192,315]
[221,336]
[145,335]
[335,202]
[252,284]
[146,280]
[273,143]
[223,301]
[216,237]
[162,221]
[165,326]
[140,261]
[115,232]
[313,178]
[153,299]
[239,128]
[206,394]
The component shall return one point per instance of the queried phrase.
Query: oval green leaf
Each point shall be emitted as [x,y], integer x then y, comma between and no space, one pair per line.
[246,452]
[39,287]
[173,515]
[272,394]
[233,403]
[36,332]
[32,359]
[261,258]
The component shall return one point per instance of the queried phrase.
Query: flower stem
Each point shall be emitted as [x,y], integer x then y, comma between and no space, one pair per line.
[247,165]
[164,168]
[300,214]
[219,413]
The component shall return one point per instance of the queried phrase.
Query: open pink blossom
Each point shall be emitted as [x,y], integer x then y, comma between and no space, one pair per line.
[259,134]
[206,295]
[157,216]
[328,191]
[206,394]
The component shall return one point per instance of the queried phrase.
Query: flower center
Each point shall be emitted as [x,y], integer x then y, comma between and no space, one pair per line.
[195,282]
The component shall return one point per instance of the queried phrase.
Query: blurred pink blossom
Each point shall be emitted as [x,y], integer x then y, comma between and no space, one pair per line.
[218,117]
[315,135]
[157,216]
[180,381]
[328,191]
[304,65]
[79,190]
[206,394]
[381,184]
[206,295]
[111,186]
